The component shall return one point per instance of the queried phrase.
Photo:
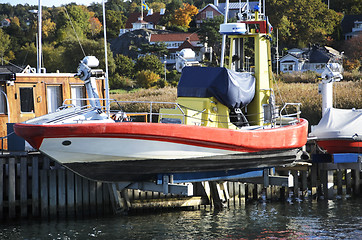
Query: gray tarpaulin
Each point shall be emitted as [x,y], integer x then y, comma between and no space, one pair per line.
[233,89]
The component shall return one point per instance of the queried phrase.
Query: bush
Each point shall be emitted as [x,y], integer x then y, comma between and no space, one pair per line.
[147,79]
[298,77]
[121,82]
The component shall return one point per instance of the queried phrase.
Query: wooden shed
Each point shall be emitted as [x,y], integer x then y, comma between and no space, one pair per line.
[27,95]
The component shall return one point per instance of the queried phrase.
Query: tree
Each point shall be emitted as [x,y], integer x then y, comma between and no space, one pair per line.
[149,62]
[301,22]
[4,44]
[183,15]
[146,78]
[209,33]
[73,53]
[95,26]
[48,27]
[353,51]
[124,66]
[157,6]
[115,21]
[158,49]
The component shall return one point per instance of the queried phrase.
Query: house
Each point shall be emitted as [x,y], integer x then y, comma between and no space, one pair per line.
[26,95]
[148,21]
[351,26]
[175,42]
[314,59]
[5,22]
[292,61]
[321,57]
[218,9]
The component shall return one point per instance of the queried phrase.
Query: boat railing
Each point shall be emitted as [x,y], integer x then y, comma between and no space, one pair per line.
[287,117]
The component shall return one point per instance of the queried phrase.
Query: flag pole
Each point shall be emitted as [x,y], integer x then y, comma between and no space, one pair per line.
[141,10]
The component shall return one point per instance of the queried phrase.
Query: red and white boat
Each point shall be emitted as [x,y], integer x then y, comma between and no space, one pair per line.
[223,120]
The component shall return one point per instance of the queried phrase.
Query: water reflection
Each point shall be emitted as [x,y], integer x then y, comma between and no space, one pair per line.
[339,219]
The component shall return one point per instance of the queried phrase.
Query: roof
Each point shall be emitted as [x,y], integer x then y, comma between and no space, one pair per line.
[133,17]
[174,37]
[186,44]
[8,69]
[348,22]
[212,6]
[317,55]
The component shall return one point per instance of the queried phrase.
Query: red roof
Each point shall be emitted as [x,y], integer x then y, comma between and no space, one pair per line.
[174,37]
[133,17]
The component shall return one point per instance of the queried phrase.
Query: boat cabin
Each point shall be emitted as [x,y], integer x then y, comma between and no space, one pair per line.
[27,95]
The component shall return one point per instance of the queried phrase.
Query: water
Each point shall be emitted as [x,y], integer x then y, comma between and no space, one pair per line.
[327,219]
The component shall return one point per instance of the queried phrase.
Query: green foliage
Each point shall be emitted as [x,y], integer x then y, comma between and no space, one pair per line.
[347,6]
[158,49]
[124,66]
[301,22]
[121,82]
[173,77]
[4,43]
[149,62]
[146,79]
[115,21]
[209,33]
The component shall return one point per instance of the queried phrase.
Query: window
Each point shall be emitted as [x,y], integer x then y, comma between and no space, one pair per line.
[54,98]
[77,93]
[26,100]
[209,14]
[2,100]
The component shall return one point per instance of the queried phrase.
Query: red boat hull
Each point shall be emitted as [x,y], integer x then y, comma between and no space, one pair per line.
[139,151]
[340,145]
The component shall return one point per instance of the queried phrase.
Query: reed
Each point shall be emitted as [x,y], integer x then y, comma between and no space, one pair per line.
[345,95]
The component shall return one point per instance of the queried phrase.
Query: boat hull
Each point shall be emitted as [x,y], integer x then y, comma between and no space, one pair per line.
[340,145]
[138,151]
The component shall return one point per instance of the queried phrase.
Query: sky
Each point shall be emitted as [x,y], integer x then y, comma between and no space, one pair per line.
[49,3]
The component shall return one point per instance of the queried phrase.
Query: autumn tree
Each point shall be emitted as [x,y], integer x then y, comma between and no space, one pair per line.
[95,25]
[146,78]
[353,51]
[183,15]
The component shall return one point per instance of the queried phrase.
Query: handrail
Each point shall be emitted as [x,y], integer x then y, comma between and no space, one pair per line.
[180,108]
[296,114]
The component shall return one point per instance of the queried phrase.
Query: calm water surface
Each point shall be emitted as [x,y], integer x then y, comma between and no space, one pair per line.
[337,219]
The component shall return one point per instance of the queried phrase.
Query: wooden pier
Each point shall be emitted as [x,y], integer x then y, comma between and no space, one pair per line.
[33,186]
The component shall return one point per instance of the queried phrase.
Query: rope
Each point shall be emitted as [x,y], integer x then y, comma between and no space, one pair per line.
[71,23]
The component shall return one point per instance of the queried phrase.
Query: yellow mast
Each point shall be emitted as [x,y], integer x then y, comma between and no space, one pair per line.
[262,69]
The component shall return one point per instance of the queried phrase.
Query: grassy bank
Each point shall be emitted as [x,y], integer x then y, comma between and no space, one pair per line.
[346,94]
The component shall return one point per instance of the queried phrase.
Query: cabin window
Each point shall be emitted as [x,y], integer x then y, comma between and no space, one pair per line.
[3,109]
[54,98]
[78,92]
[26,100]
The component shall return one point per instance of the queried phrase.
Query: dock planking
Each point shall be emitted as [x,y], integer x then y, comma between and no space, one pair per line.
[33,186]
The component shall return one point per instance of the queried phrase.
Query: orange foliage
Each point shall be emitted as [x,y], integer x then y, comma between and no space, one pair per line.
[95,25]
[183,15]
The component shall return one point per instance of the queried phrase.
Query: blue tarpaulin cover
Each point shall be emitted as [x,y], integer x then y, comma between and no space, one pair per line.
[233,89]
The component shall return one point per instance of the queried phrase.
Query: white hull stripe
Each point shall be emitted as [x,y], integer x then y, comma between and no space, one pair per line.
[121,149]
